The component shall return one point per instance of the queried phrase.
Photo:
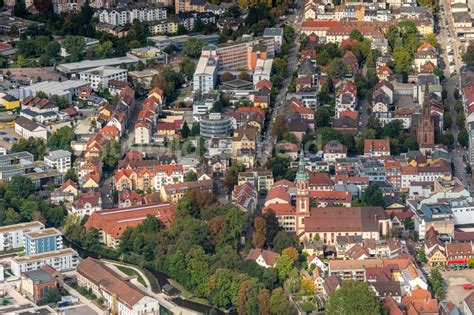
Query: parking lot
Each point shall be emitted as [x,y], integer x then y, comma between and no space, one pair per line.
[454,280]
[6,136]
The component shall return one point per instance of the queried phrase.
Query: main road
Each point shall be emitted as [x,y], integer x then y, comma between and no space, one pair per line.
[450,84]
[295,19]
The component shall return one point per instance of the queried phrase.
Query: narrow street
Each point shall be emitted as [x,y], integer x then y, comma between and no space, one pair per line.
[268,142]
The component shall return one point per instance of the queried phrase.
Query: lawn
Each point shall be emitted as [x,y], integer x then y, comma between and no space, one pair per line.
[132,272]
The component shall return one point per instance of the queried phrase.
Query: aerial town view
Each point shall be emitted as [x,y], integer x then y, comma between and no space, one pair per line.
[250,157]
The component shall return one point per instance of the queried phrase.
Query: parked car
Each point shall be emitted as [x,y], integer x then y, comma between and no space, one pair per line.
[6,139]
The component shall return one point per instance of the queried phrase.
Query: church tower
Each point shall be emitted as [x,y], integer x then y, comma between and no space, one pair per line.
[302,194]
[425,131]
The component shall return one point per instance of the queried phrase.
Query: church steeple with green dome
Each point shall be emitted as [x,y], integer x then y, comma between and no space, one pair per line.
[302,173]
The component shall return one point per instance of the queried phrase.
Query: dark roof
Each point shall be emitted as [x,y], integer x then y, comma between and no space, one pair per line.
[26,123]
[39,276]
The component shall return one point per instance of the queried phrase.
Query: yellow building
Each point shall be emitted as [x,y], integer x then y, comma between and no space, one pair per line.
[436,258]
[9,102]
[244,139]
[261,179]
[174,192]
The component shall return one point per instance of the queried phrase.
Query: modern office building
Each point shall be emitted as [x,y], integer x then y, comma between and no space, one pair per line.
[215,125]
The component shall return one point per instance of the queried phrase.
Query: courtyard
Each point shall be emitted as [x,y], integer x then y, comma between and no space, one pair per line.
[454,281]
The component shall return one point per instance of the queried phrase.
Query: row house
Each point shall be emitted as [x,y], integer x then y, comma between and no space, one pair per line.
[134,11]
[426,173]
[148,178]
[147,116]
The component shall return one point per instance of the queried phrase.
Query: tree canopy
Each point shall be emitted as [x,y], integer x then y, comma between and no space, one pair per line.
[353,297]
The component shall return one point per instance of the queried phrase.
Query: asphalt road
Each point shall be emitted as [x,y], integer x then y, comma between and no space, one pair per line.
[295,21]
[445,39]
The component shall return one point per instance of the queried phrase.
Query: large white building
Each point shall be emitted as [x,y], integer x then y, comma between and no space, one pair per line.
[100,76]
[59,159]
[118,293]
[67,89]
[11,236]
[62,260]
[205,76]
[133,11]
[27,128]
[263,69]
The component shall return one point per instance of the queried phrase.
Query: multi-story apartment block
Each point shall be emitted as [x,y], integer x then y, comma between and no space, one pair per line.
[12,236]
[99,77]
[62,260]
[143,12]
[205,75]
[59,159]
[148,178]
[42,241]
[261,179]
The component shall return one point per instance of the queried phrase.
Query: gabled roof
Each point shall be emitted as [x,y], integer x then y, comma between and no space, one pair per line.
[268,256]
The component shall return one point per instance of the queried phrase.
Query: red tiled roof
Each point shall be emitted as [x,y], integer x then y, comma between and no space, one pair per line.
[268,256]
[68,183]
[278,192]
[115,221]
[320,179]
[376,145]
[331,197]
[257,110]
[280,209]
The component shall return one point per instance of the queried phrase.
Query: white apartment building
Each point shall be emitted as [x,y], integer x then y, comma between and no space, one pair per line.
[163,177]
[59,159]
[11,236]
[205,76]
[100,76]
[133,11]
[62,260]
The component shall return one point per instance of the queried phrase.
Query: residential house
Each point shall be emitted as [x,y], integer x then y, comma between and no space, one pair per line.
[263,257]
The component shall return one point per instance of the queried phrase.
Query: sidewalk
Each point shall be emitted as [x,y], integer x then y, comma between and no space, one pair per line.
[85,300]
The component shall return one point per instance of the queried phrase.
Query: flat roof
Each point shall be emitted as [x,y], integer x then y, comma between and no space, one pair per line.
[55,87]
[104,71]
[57,253]
[90,64]
[20,226]
[57,154]
[17,155]
[43,233]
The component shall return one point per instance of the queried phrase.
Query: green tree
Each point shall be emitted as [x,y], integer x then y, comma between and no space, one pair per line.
[447,121]
[187,68]
[111,152]
[192,47]
[61,139]
[279,303]
[422,255]
[460,119]
[463,138]
[19,9]
[74,45]
[323,117]
[185,130]
[35,146]
[190,176]
[436,283]
[284,264]
[264,302]
[373,196]
[71,174]
[357,35]
[353,297]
